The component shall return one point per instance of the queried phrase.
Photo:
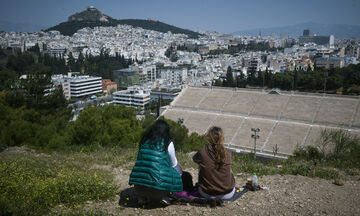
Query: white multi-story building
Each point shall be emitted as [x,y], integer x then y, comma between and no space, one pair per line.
[85,85]
[330,62]
[133,96]
[78,86]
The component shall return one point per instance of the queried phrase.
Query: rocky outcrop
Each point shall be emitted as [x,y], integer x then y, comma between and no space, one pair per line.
[89,14]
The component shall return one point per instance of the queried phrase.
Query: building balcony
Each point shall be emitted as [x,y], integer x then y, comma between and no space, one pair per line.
[85,87]
[85,83]
[77,94]
[86,90]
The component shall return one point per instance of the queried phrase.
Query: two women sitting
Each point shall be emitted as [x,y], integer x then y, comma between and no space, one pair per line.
[157,173]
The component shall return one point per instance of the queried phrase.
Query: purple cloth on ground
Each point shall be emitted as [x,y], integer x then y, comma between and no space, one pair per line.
[189,194]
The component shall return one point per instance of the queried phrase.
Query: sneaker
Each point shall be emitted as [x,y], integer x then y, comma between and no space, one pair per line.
[165,202]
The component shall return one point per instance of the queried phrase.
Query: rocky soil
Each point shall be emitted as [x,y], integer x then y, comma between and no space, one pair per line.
[287,195]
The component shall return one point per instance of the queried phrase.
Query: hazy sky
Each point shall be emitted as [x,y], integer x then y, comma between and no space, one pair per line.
[220,15]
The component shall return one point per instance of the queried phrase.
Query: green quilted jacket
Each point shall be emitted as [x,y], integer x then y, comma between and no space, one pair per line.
[153,169]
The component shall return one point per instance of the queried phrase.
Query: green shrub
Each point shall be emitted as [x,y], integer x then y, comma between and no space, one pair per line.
[109,125]
[308,153]
[193,142]
[32,185]
[338,147]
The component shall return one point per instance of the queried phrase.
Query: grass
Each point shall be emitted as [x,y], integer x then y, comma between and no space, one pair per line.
[113,156]
[292,166]
[33,184]
[81,210]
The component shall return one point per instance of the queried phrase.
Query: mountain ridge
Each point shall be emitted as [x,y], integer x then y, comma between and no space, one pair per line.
[338,30]
[20,27]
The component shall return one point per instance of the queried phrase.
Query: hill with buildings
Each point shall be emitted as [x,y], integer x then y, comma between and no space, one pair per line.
[92,17]
[338,30]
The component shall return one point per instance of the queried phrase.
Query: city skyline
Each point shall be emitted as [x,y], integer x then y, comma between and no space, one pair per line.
[222,16]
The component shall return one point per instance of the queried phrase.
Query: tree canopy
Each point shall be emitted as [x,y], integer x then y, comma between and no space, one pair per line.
[344,80]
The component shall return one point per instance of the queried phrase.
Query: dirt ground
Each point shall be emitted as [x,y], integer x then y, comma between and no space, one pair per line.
[287,195]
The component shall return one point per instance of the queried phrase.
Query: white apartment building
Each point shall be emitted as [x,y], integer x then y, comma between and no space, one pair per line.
[174,76]
[254,64]
[133,96]
[148,73]
[59,79]
[56,51]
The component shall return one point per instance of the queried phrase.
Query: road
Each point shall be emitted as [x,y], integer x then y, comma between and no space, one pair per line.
[81,104]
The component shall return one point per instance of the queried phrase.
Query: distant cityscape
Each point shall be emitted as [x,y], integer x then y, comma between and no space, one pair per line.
[168,61]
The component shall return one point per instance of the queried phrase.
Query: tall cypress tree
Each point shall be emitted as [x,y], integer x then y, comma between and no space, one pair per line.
[71,62]
[229,77]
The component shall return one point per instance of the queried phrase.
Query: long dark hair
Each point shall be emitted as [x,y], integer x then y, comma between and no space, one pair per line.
[158,131]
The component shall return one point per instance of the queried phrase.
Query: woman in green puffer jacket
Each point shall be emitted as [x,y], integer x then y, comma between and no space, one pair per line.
[156,171]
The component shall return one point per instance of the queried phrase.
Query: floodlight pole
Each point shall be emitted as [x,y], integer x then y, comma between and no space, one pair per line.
[255,137]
